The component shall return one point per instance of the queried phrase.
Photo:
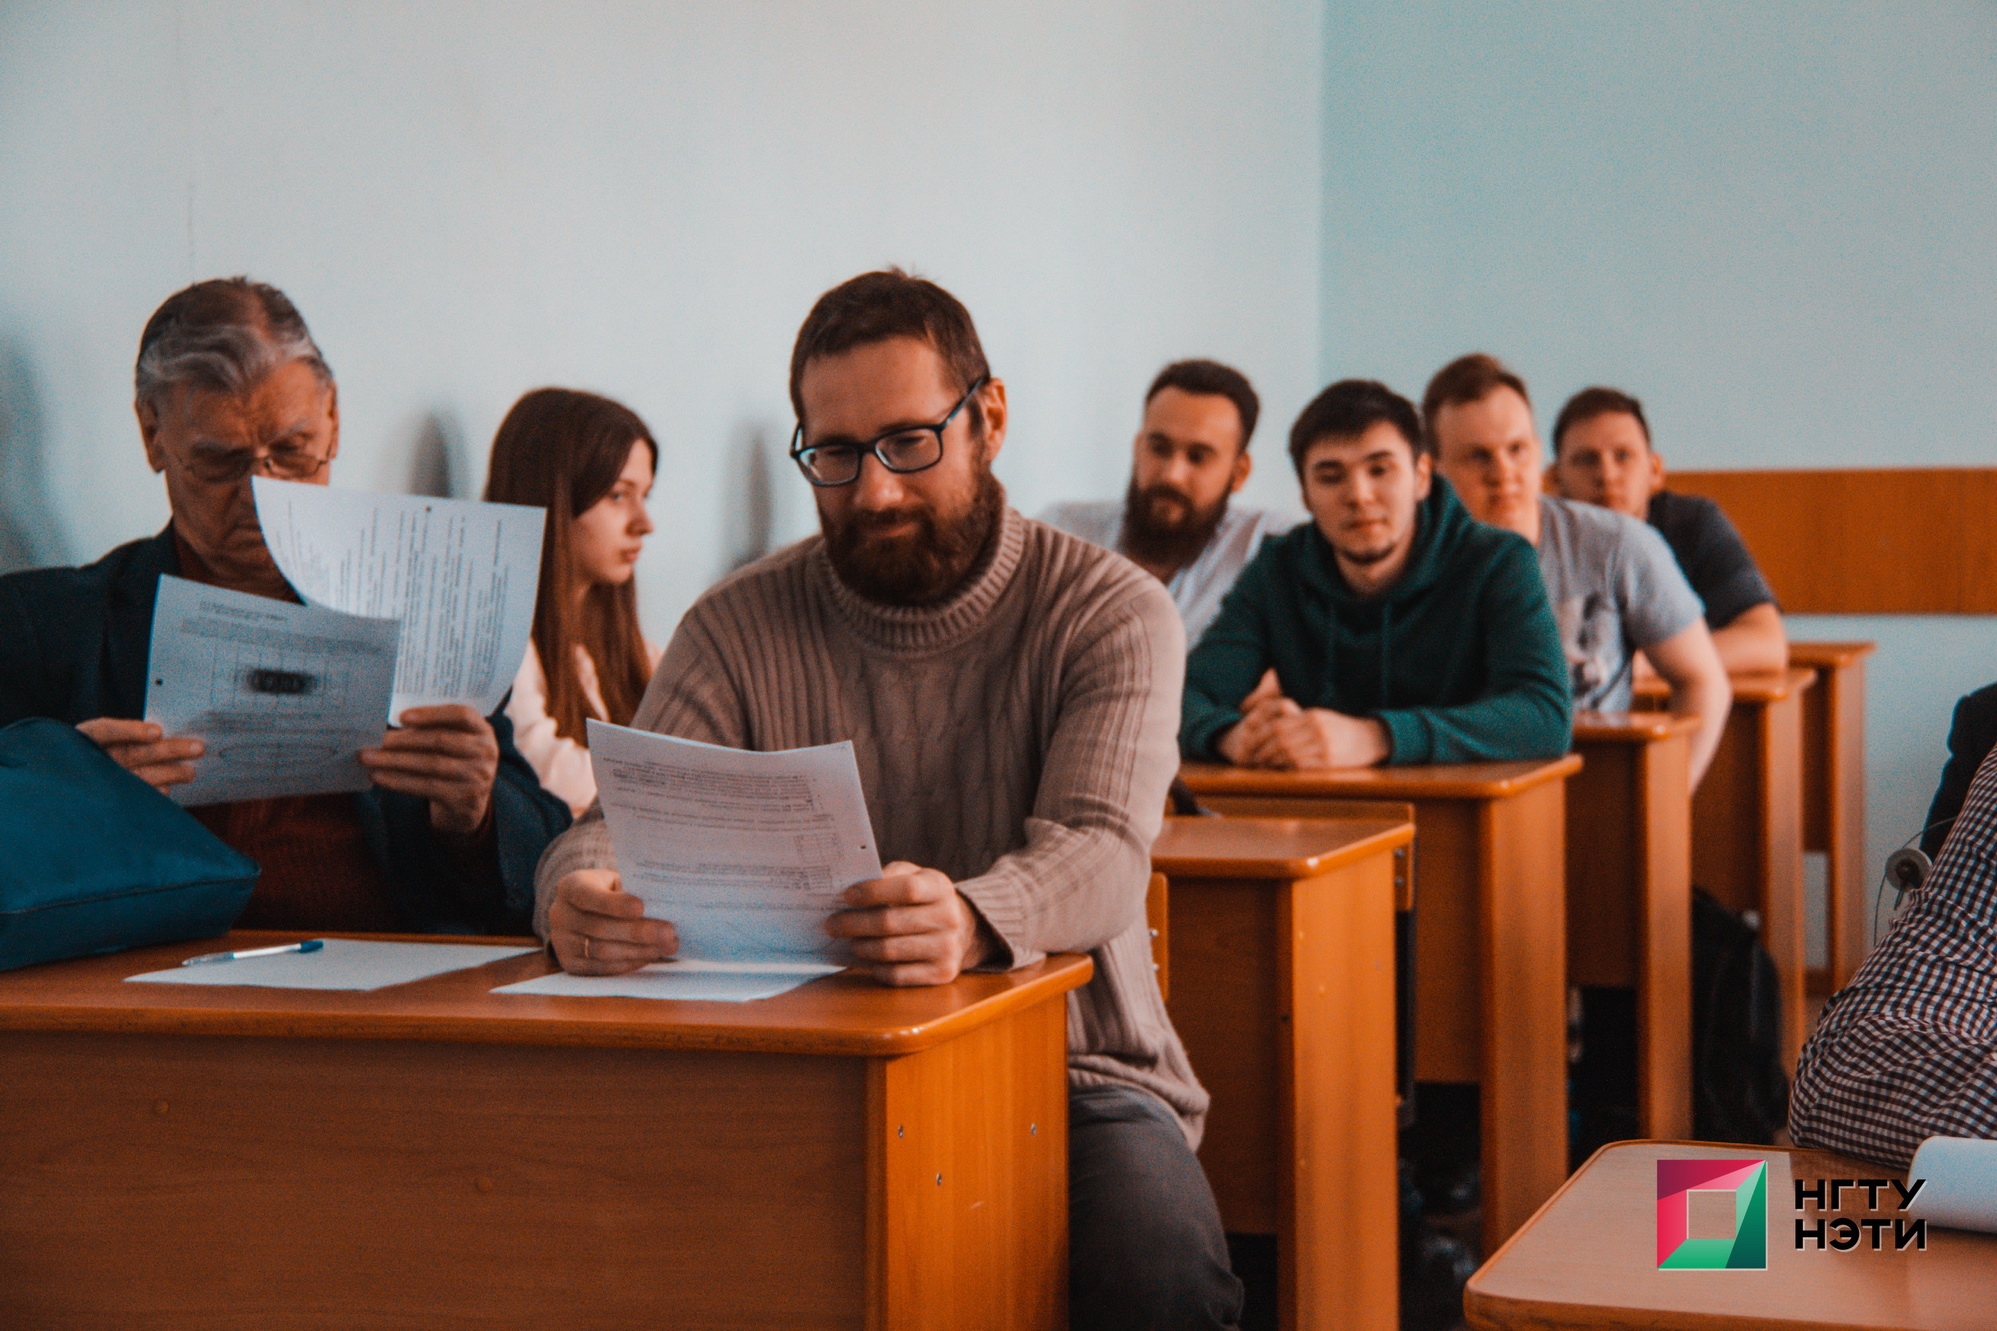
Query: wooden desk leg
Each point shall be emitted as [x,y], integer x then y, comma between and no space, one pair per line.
[1338,1261]
[967,1168]
[1284,995]
[1629,909]
[1780,739]
[1523,937]
[1849,883]
[1664,980]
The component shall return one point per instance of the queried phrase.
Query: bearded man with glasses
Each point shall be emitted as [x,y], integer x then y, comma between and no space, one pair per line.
[1011,693]
[229,385]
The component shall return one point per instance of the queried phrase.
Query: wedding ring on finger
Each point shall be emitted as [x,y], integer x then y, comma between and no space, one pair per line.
[585,948]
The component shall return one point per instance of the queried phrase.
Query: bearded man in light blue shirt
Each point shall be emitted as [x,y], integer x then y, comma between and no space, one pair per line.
[1175,523]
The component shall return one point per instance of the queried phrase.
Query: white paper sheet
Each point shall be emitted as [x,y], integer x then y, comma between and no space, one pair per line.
[1961,1187]
[284,695]
[344,963]
[461,576]
[713,981]
[746,853]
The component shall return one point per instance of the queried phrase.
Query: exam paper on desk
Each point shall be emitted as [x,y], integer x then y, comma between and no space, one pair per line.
[746,853]
[460,575]
[710,981]
[344,963]
[285,696]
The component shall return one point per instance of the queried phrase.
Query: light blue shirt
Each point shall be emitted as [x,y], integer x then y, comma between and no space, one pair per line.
[1616,589]
[1197,588]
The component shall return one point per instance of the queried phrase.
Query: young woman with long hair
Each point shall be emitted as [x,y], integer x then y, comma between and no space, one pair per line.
[590,462]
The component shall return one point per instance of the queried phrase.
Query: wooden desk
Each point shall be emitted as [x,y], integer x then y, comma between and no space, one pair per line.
[1834,799]
[1589,1259]
[1747,827]
[1629,893]
[843,1155]
[1282,965]
[1490,941]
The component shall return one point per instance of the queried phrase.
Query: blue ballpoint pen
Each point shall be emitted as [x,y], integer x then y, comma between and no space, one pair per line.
[309,945]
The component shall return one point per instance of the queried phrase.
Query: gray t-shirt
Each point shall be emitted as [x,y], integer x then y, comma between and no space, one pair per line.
[1616,588]
[1197,588]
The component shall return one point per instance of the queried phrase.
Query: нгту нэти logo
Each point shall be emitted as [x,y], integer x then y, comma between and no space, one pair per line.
[1745,1249]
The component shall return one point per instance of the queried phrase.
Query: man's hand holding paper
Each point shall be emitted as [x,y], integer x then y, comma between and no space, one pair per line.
[597,928]
[446,754]
[910,926]
[736,856]
[142,748]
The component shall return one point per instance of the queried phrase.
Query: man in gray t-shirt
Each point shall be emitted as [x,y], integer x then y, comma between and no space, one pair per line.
[1615,586]
[1615,589]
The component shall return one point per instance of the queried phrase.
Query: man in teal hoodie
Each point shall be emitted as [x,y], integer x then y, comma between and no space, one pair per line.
[1400,630]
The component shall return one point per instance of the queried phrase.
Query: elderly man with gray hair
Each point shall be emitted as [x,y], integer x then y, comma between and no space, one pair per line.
[231,385]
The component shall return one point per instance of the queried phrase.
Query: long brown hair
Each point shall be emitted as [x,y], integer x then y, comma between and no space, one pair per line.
[563,450]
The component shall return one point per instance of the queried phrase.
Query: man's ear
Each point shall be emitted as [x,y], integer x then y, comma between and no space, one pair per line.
[1243,464]
[1656,471]
[1424,475]
[149,435]
[991,400]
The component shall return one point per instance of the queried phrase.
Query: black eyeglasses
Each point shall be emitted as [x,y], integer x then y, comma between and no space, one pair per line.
[228,466]
[904,449]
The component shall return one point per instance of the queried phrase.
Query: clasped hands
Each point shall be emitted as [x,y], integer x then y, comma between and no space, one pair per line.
[448,755]
[910,926]
[1276,732]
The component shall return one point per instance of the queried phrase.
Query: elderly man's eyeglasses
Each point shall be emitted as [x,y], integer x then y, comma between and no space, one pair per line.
[228,466]
[904,449]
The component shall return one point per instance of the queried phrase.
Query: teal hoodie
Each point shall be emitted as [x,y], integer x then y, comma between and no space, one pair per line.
[1460,658]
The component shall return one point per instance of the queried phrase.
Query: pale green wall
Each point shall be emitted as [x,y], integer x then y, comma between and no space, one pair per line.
[1772,222]
[469,199]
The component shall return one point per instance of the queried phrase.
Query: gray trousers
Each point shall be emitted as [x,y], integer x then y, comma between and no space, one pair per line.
[1145,1247]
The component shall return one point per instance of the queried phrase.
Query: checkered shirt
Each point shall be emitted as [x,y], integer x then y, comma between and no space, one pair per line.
[1908,1049]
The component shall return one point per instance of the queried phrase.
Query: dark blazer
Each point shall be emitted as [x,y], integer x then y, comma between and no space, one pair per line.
[1970,738]
[73,646]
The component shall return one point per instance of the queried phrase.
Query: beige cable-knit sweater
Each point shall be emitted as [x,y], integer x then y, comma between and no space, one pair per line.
[1019,737]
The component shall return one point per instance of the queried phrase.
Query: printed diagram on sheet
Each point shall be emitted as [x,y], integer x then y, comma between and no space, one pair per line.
[284,696]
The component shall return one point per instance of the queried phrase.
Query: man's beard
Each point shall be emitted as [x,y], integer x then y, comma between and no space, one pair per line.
[1366,556]
[920,567]
[1161,526]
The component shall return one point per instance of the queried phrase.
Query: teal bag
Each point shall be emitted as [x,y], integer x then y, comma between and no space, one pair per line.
[92,859]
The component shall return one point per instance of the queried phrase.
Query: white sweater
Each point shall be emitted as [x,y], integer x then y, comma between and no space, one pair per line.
[561,763]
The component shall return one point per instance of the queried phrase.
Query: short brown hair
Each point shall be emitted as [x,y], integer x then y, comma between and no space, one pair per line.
[875,307]
[1209,378]
[1466,379]
[1597,401]
[1348,409]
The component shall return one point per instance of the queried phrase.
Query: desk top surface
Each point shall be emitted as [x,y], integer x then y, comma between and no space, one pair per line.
[845,1014]
[1630,727]
[1589,1259]
[1431,781]
[1275,848]
[1829,654]
[1771,686]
